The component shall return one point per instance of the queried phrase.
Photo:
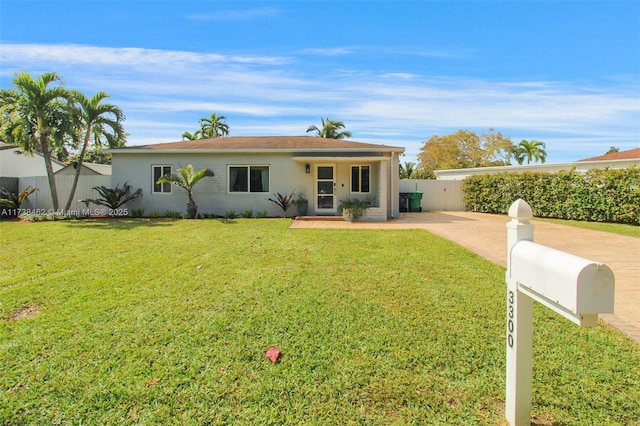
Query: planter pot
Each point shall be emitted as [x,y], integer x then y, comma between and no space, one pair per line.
[303,206]
[346,215]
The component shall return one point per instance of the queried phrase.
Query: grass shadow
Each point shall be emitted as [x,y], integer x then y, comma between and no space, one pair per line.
[119,224]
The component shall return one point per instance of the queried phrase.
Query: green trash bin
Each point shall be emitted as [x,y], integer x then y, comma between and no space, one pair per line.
[415,201]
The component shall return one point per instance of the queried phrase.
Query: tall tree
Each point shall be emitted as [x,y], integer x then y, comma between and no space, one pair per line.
[531,150]
[186,178]
[98,122]
[330,129]
[465,149]
[37,116]
[213,127]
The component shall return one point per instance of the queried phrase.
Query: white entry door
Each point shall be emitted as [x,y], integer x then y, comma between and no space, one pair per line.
[325,189]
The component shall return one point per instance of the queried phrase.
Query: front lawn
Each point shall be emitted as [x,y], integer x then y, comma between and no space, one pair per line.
[166,322]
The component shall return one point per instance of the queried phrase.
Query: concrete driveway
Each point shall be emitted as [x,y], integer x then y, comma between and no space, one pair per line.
[486,235]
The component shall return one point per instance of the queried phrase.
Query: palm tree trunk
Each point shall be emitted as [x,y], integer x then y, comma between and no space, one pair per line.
[52,180]
[78,167]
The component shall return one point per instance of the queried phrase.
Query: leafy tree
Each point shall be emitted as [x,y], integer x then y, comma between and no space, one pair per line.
[612,150]
[465,149]
[213,127]
[38,117]
[330,129]
[186,178]
[98,122]
[94,155]
[531,150]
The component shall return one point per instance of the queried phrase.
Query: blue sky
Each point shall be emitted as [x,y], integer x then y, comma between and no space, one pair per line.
[396,72]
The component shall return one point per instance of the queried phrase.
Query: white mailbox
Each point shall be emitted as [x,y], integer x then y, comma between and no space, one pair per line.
[577,288]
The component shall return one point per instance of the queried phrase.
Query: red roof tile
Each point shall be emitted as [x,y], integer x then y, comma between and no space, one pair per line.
[630,154]
[265,143]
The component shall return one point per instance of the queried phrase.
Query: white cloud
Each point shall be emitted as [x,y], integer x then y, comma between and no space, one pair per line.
[122,56]
[164,93]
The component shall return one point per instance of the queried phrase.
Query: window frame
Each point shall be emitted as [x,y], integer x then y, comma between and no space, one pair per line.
[360,181]
[165,188]
[248,168]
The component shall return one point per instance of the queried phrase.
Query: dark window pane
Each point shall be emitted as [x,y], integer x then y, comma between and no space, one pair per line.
[325,172]
[325,188]
[325,202]
[355,179]
[364,187]
[157,174]
[259,179]
[238,179]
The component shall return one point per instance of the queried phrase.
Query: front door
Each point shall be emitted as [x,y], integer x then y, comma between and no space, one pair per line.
[325,189]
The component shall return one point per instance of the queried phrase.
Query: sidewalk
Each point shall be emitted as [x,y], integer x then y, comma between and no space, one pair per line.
[486,235]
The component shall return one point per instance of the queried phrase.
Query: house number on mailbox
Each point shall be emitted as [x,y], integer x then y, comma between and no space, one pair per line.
[510,319]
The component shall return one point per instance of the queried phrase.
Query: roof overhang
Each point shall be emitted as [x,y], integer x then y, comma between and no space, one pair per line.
[338,159]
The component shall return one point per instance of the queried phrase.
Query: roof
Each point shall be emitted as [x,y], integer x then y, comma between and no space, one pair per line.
[4,145]
[630,154]
[101,169]
[262,143]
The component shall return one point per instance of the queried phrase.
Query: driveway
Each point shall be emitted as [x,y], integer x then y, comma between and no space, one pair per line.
[486,235]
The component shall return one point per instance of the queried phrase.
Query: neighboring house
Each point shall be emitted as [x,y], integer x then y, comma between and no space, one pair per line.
[92,169]
[15,163]
[616,160]
[249,170]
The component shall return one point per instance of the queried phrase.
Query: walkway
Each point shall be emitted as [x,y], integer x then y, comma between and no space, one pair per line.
[486,235]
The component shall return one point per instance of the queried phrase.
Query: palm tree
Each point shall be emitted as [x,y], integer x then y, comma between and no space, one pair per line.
[99,122]
[213,127]
[37,117]
[407,170]
[186,178]
[187,136]
[531,150]
[330,129]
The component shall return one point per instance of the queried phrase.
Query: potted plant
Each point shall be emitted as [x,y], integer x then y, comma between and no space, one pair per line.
[352,209]
[302,203]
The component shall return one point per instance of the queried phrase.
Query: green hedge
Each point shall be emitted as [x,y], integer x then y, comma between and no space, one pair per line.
[596,196]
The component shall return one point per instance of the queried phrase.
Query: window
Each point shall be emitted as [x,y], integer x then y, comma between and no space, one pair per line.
[360,176]
[158,172]
[248,178]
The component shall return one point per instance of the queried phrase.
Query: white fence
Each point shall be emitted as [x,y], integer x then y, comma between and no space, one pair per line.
[41,199]
[437,195]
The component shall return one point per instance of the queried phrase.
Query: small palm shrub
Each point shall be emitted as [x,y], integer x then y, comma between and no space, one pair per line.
[10,202]
[114,198]
[172,214]
[284,201]
[137,213]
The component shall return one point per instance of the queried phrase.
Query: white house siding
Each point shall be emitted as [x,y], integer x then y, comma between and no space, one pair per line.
[211,194]
[15,163]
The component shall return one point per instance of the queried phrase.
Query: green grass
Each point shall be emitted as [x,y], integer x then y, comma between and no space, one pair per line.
[615,228]
[166,322]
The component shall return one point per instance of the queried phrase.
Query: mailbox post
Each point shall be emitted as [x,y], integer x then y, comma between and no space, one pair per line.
[576,288]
